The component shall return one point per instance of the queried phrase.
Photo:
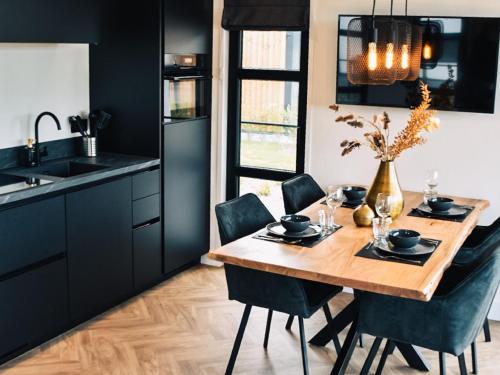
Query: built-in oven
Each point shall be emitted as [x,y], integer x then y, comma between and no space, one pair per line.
[186,84]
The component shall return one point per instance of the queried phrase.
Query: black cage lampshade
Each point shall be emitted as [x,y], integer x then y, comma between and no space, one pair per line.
[415,52]
[381,50]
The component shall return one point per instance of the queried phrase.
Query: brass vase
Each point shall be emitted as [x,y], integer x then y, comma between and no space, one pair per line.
[386,181]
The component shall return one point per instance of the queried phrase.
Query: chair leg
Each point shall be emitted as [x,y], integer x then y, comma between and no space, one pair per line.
[239,337]
[268,327]
[486,328]
[303,346]
[383,358]
[475,368]
[329,322]
[289,322]
[462,365]
[442,363]
[371,356]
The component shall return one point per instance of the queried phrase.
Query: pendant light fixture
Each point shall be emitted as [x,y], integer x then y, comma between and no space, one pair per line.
[382,49]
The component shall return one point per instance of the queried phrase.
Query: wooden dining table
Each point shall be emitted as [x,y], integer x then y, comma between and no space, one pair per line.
[334,261]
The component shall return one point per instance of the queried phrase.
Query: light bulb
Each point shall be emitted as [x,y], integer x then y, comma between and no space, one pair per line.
[372,56]
[427,52]
[389,56]
[404,57]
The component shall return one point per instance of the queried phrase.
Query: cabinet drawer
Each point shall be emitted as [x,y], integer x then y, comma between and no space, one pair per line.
[32,233]
[147,255]
[145,184]
[146,209]
[35,307]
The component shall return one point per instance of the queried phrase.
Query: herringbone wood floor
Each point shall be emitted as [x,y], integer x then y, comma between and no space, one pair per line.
[187,326]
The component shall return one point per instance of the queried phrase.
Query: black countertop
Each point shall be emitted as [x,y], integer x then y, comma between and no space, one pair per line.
[117,165]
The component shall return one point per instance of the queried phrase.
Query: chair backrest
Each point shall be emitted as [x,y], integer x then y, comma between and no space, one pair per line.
[238,218]
[241,216]
[480,244]
[468,303]
[300,192]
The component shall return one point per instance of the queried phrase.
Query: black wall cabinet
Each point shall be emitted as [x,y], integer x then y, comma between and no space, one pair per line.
[99,221]
[186,192]
[188,26]
[125,76]
[49,21]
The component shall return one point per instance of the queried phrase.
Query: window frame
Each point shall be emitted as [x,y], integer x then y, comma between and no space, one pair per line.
[236,74]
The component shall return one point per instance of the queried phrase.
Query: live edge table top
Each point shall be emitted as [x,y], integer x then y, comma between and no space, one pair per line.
[333,261]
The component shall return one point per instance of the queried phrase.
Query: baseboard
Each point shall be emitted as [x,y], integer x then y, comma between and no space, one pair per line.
[209,262]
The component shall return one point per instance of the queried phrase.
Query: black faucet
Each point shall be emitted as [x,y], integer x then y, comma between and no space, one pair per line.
[38,156]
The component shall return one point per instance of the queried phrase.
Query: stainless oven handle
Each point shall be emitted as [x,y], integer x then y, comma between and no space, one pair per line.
[180,78]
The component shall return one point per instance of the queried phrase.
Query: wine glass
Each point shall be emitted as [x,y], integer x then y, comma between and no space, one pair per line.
[383,205]
[432,179]
[334,198]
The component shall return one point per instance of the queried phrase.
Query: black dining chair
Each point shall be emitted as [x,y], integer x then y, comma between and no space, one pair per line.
[300,192]
[448,323]
[241,217]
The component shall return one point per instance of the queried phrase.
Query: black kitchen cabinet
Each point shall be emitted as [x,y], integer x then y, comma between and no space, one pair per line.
[188,26]
[186,192]
[147,255]
[49,21]
[34,307]
[31,233]
[125,76]
[99,232]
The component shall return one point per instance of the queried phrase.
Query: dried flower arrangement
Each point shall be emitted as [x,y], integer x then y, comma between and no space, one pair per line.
[421,119]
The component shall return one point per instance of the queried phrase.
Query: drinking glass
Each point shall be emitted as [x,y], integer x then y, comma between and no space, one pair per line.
[383,205]
[334,198]
[326,221]
[381,230]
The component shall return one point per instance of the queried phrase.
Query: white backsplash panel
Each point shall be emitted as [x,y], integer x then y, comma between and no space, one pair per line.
[41,77]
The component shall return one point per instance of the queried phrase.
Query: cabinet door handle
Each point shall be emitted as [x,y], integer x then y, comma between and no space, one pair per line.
[145,225]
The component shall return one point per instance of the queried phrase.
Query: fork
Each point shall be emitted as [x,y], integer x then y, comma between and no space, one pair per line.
[378,255]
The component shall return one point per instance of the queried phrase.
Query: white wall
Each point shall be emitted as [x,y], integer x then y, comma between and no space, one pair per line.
[466,149]
[41,77]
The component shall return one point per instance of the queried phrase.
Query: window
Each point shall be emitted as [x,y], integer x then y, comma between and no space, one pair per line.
[267,112]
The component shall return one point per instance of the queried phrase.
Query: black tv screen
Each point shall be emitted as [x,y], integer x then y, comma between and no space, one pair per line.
[462,73]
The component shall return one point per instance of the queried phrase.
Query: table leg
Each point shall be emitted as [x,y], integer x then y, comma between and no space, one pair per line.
[340,322]
[347,349]
[413,356]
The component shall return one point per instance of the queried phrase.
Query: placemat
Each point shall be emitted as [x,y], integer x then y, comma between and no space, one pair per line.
[347,204]
[309,242]
[457,219]
[370,251]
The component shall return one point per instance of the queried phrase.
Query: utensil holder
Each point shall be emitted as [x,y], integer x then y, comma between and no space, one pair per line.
[89,146]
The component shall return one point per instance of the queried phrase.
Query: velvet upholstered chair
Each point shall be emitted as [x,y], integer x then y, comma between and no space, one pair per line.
[300,192]
[243,216]
[449,323]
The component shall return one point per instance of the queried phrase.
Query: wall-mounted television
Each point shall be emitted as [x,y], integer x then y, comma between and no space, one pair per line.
[461,71]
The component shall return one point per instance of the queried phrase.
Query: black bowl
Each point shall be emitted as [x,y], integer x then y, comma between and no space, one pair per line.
[404,238]
[354,193]
[440,204]
[295,223]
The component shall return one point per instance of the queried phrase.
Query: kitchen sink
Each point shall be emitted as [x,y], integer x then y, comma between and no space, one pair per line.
[66,169]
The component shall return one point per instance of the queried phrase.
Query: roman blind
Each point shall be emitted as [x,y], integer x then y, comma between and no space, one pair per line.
[266,15]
